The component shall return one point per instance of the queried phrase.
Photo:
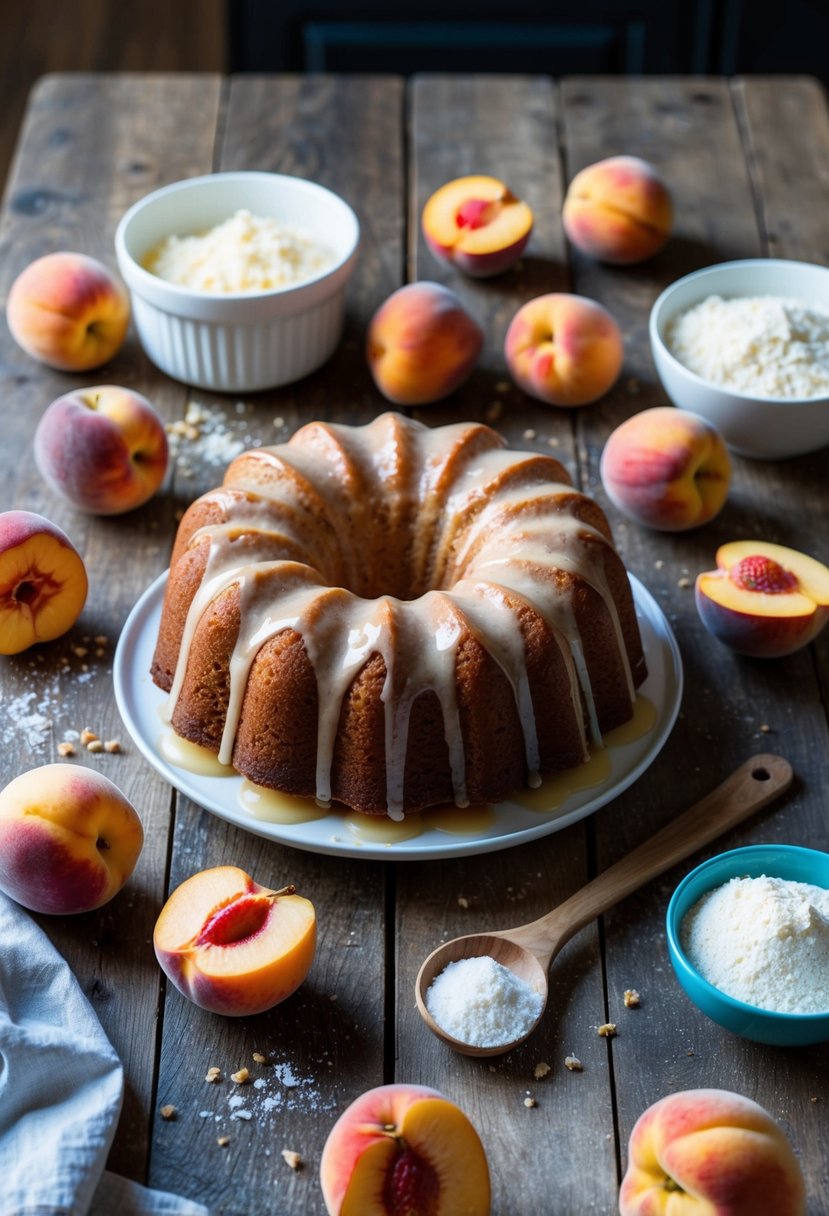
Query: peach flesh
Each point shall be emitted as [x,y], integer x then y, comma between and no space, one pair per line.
[43,581]
[475,213]
[477,225]
[399,1150]
[232,946]
[240,920]
[763,600]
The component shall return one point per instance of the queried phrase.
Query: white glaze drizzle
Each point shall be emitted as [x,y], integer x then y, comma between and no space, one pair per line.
[511,544]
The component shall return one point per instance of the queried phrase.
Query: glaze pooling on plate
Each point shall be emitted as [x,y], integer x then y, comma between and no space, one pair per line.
[139,702]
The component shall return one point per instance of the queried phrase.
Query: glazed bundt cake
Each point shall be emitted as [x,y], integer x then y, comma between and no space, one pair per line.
[395,617]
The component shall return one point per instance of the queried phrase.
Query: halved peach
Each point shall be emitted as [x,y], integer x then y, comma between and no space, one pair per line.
[764,600]
[232,946]
[404,1150]
[43,581]
[477,224]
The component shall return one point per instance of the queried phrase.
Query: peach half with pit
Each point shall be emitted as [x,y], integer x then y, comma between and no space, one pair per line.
[103,448]
[477,224]
[563,349]
[232,946]
[709,1152]
[666,468]
[68,311]
[618,210]
[69,839]
[763,600]
[422,344]
[43,581]
[401,1150]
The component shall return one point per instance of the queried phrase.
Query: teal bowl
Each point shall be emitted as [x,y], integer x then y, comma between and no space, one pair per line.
[786,861]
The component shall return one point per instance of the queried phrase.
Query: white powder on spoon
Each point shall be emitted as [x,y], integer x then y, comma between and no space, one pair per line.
[482,1003]
[764,941]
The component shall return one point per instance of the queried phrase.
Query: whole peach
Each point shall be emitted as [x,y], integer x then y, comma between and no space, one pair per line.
[69,311]
[563,349]
[667,468]
[103,448]
[43,581]
[618,210]
[69,839]
[404,1148]
[232,946]
[708,1152]
[422,344]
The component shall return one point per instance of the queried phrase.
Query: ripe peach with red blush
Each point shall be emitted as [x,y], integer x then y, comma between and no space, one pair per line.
[403,1149]
[43,581]
[422,344]
[232,946]
[69,311]
[477,225]
[103,448]
[763,600]
[708,1152]
[618,210]
[69,839]
[563,349]
[667,468]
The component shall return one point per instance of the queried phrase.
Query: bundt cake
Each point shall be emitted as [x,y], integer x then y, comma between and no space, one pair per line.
[395,617]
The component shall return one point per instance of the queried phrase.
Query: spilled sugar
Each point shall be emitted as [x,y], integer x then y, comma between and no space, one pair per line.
[210,437]
[281,1089]
[32,715]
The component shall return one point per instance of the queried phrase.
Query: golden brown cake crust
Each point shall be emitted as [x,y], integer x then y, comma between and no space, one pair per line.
[419,617]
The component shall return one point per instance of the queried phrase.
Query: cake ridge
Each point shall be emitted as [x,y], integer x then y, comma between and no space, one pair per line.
[522,580]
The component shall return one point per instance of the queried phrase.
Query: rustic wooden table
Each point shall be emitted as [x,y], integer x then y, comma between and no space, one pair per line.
[747,162]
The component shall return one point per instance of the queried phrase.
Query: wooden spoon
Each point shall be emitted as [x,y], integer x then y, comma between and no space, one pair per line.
[530,949]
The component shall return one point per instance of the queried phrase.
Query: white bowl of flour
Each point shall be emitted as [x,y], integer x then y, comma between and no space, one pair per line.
[748,936]
[746,345]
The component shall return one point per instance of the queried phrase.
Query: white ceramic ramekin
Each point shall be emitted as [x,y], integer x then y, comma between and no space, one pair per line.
[241,341]
[765,428]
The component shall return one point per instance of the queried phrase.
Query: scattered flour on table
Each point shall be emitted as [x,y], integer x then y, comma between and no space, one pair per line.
[764,941]
[281,1088]
[768,346]
[480,1002]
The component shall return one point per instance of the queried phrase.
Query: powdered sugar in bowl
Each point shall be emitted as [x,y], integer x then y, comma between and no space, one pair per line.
[232,331]
[786,949]
[752,420]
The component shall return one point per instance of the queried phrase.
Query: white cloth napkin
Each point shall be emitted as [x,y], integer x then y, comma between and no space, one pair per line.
[61,1086]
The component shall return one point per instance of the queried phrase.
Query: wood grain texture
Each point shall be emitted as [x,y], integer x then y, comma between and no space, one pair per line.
[40,37]
[734,156]
[507,127]
[89,150]
[732,706]
[328,1037]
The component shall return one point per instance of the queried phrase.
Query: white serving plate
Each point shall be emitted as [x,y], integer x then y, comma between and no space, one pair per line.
[140,702]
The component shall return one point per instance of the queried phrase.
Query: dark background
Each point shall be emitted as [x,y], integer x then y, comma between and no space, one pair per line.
[559,37]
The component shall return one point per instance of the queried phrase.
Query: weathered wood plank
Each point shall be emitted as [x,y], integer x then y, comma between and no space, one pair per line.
[732,706]
[506,126]
[90,147]
[785,124]
[330,1035]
